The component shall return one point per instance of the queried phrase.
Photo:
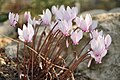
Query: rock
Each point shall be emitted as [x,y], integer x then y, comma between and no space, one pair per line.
[109,69]
[94,12]
[11,50]
[114,10]
[6,29]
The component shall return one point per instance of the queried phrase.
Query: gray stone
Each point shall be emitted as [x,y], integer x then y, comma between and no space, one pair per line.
[109,69]
[11,50]
[6,29]
[114,10]
[94,12]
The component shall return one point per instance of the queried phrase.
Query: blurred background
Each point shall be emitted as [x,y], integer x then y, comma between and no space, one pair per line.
[37,6]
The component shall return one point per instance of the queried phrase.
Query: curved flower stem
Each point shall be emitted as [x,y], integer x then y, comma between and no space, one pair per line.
[32,64]
[84,47]
[24,63]
[73,66]
[46,40]
[50,46]
[40,39]
[34,37]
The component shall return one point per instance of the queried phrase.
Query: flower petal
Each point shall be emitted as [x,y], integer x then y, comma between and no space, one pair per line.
[93,25]
[104,53]
[83,26]
[108,40]
[77,20]
[54,9]
[80,35]
[30,29]
[20,32]
[26,35]
[74,37]
[24,27]
[94,44]
[21,38]
[16,17]
[88,19]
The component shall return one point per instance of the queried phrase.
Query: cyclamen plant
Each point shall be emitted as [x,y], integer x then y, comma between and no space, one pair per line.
[45,56]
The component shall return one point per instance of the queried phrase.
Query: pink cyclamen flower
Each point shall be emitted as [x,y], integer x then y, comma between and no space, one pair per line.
[58,12]
[46,17]
[29,19]
[65,27]
[13,18]
[94,34]
[86,25]
[70,13]
[33,22]
[65,14]
[26,34]
[27,16]
[98,49]
[76,36]
[54,9]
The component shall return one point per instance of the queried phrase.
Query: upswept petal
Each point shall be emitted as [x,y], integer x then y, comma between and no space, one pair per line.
[94,34]
[75,10]
[26,35]
[76,36]
[54,9]
[62,8]
[59,15]
[30,29]
[13,19]
[69,9]
[24,27]
[83,26]
[93,25]
[48,14]
[101,33]
[16,17]
[65,27]
[30,21]
[21,38]
[88,19]
[77,20]
[20,32]
[108,40]
[69,24]
[46,17]
[101,44]
[81,17]
[34,22]
[80,35]
[27,15]
[94,45]
[104,53]
[10,15]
